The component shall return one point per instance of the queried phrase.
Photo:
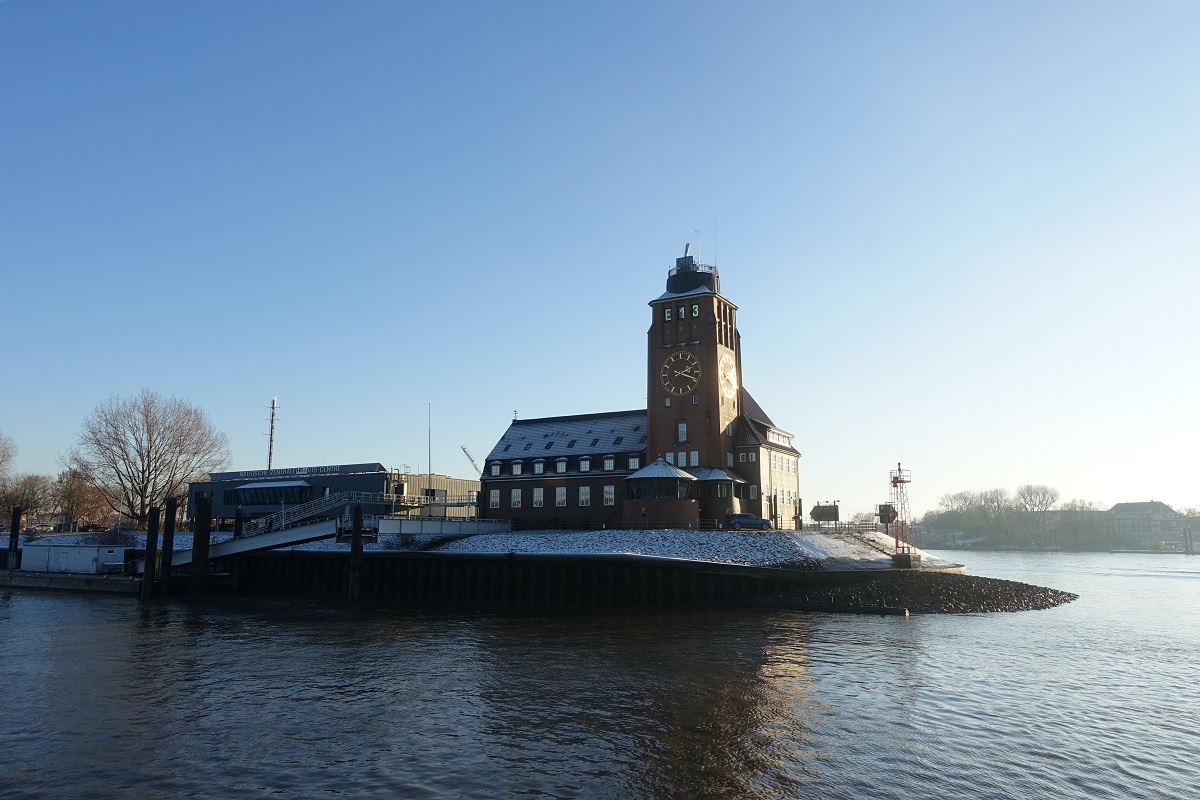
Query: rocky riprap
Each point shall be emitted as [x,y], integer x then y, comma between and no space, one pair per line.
[922,592]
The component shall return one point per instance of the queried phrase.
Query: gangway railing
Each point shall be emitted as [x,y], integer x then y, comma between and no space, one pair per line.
[289,517]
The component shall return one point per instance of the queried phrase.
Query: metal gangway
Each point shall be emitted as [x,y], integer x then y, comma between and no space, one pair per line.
[296,525]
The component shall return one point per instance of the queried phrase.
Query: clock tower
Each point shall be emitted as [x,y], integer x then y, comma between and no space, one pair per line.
[694,391]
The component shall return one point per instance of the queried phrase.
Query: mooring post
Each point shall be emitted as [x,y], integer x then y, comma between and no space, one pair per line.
[151,554]
[168,544]
[356,553]
[202,528]
[14,538]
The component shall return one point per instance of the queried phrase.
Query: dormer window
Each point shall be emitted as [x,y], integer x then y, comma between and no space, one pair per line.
[585,465]
[516,468]
[608,462]
[539,467]
[495,469]
[560,465]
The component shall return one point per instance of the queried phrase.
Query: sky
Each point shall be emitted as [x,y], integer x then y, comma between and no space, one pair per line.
[962,236]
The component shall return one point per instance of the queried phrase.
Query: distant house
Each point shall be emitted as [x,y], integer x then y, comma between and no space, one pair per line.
[1139,523]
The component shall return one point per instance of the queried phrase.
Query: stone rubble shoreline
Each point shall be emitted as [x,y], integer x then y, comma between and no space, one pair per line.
[925,592]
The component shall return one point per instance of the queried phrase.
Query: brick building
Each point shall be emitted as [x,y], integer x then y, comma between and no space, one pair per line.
[703,448]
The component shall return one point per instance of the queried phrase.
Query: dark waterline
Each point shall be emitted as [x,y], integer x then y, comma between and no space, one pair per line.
[1096,698]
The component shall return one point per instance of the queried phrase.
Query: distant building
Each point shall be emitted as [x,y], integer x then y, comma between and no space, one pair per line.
[1137,523]
[701,451]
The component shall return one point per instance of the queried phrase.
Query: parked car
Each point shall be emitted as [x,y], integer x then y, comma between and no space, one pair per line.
[739,521]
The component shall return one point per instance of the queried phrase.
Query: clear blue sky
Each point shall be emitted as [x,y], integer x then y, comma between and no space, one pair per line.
[961,235]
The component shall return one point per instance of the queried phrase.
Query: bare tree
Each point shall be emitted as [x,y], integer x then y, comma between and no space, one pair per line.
[78,500]
[141,450]
[31,492]
[996,509]
[1032,502]
[8,454]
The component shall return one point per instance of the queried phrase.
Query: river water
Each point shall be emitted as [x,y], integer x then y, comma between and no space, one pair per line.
[105,698]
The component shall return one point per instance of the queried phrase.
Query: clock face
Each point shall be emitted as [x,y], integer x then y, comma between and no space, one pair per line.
[728,375]
[680,373]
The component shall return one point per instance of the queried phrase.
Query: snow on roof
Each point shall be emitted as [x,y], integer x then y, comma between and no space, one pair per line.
[661,469]
[581,434]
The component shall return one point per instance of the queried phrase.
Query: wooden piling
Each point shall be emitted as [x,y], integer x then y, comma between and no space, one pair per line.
[151,554]
[202,527]
[356,554]
[14,537]
[168,544]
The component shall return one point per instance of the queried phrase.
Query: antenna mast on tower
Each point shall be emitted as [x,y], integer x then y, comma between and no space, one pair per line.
[271,440]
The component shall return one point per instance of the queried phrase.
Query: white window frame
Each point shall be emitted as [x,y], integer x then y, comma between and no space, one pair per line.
[635,462]
[608,463]
[585,496]
[514,498]
[539,467]
[516,468]
[495,469]
[695,458]
[681,432]
[585,465]
[610,495]
[538,494]
[560,496]
[494,498]
[560,465]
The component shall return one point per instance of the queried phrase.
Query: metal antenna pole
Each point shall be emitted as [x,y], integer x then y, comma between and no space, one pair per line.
[271,440]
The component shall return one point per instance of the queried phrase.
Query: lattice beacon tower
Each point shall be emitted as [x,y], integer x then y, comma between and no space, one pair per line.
[906,554]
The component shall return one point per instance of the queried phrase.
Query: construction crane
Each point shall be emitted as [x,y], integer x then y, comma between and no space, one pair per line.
[471,458]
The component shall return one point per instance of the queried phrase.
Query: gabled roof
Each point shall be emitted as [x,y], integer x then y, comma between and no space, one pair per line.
[753,410]
[660,469]
[577,435]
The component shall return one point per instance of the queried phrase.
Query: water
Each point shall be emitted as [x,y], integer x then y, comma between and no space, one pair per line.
[1098,698]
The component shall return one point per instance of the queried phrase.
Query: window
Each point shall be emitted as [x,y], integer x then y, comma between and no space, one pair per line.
[571,443]
[516,468]
[618,440]
[608,462]
[681,432]
[585,465]
[752,457]
[585,495]
[494,498]
[695,399]
[537,497]
[495,469]
[753,492]
[741,458]
[670,458]
[538,468]
[667,314]
[514,499]
[560,496]
[695,458]
[560,465]
[595,441]
[682,458]
[635,462]
[610,495]
[667,402]
[729,459]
